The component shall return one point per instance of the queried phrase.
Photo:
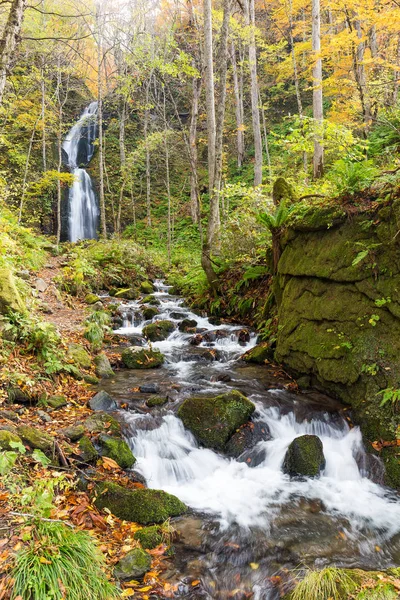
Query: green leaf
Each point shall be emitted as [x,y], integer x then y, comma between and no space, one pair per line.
[41,458]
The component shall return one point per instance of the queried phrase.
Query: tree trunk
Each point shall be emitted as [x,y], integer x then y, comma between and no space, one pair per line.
[238,110]
[43,117]
[10,40]
[296,78]
[264,124]
[255,111]
[148,175]
[194,185]
[28,156]
[361,77]
[318,114]
[103,225]
[59,165]
[397,75]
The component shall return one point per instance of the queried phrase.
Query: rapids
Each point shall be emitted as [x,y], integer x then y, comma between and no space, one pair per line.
[249,520]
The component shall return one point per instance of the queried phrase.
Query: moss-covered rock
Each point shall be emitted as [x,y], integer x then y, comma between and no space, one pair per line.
[102,422]
[10,298]
[133,566]
[136,357]
[149,537]
[36,439]
[146,287]
[213,420]
[102,366]
[56,402]
[79,356]
[92,299]
[6,437]
[142,506]
[259,354]
[117,449]
[158,331]
[87,451]
[73,432]
[151,300]
[150,312]
[187,325]
[128,293]
[156,401]
[304,457]
[19,396]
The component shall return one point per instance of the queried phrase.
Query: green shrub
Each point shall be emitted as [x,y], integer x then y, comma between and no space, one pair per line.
[328,583]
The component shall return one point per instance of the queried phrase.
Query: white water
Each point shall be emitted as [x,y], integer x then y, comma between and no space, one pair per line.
[83,211]
[170,459]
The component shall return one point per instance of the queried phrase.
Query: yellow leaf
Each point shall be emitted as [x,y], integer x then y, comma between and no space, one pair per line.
[195,582]
[44,561]
[377,549]
[109,462]
[127,593]
[254,566]
[147,588]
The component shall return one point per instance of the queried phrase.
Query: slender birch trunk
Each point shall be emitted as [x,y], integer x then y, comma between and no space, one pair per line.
[148,174]
[28,157]
[194,184]
[10,40]
[103,224]
[255,111]
[318,114]
[238,109]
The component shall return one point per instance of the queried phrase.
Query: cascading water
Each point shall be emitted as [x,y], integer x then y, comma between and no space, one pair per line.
[253,520]
[83,210]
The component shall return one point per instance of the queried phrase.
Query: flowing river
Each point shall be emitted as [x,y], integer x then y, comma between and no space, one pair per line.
[250,525]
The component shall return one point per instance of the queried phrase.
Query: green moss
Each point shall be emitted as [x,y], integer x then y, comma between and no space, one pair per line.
[128,293]
[151,300]
[134,565]
[79,356]
[6,437]
[36,439]
[56,401]
[10,298]
[391,460]
[304,457]
[141,358]
[117,449]
[158,331]
[146,287]
[73,432]
[149,537]
[259,354]
[142,506]
[87,451]
[156,401]
[282,190]
[92,299]
[213,420]
[149,312]
[101,422]
[103,367]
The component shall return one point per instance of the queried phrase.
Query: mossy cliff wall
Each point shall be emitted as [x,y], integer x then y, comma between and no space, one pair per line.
[339,311]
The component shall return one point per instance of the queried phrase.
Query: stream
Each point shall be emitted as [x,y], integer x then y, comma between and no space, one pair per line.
[250,526]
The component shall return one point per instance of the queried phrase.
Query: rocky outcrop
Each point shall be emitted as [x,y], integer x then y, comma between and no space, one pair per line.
[158,331]
[337,290]
[136,357]
[304,457]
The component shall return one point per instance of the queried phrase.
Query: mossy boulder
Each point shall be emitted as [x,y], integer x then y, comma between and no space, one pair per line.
[214,420]
[87,451]
[73,432]
[117,449]
[79,356]
[92,299]
[56,402]
[102,366]
[6,437]
[304,457]
[150,312]
[142,506]
[10,298]
[259,354]
[146,287]
[149,537]
[158,331]
[102,422]
[156,401]
[17,395]
[282,190]
[151,300]
[136,357]
[128,293]
[187,325]
[36,439]
[133,566]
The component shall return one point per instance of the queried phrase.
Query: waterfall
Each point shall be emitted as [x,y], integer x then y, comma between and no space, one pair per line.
[83,210]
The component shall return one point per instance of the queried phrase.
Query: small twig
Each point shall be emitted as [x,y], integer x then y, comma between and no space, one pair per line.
[28,515]
[61,454]
[311,196]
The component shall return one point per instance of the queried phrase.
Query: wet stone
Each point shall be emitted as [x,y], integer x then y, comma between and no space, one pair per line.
[149,388]
[102,401]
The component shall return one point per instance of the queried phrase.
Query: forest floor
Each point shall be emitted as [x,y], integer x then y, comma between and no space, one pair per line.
[115,537]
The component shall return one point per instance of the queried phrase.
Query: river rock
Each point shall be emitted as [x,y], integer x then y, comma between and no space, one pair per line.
[214,420]
[242,443]
[187,325]
[150,312]
[141,506]
[103,368]
[10,415]
[177,315]
[128,293]
[149,537]
[304,457]
[156,401]
[102,401]
[196,340]
[136,357]
[92,299]
[259,354]
[73,432]
[117,449]
[151,300]
[18,396]
[87,451]
[101,422]
[36,439]
[79,356]
[6,437]
[41,285]
[56,402]
[133,566]
[149,388]
[146,287]
[158,331]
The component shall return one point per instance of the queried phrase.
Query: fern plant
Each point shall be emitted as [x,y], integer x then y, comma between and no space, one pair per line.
[274,222]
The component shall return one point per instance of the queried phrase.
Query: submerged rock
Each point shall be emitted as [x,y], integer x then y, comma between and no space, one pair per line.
[133,566]
[214,420]
[136,357]
[103,368]
[304,457]
[102,401]
[117,449]
[158,331]
[149,388]
[142,506]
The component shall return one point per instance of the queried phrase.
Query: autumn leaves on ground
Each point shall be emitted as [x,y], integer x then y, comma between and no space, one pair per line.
[46,433]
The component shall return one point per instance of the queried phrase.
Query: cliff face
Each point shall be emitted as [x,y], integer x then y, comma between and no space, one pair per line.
[338,293]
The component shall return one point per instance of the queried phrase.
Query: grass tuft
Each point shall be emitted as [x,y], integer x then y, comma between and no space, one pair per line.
[322,585]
